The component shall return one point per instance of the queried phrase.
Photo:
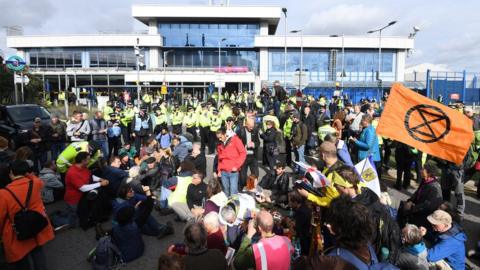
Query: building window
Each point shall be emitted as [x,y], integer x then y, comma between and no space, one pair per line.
[208,35]
[55,58]
[112,57]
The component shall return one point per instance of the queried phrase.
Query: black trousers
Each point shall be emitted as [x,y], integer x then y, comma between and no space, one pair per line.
[139,141]
[114,144]
[34,260]
[177,129]
[212,141]
[204,131]
[251,162]
[403,169]
[288,151]
[193,131]
[126,132]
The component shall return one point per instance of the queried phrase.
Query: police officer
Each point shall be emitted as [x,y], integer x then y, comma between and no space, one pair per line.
[177,120]
[191,122]
[126,119]
[160,120]
[114,133]
[142,127]
[204,125]
[215,125]
[107,110]
[147,100]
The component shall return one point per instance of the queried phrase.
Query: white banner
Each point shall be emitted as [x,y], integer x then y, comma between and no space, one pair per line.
[369,175]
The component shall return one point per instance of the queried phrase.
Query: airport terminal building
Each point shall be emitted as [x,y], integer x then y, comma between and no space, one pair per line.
[190,48]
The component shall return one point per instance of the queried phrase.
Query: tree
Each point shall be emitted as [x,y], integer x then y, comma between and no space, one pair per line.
[32,92]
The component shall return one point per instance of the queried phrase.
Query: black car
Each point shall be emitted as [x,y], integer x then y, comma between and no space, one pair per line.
[16,120]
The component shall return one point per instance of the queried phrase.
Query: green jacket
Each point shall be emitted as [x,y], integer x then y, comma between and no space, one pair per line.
[287,128]
[191,119]
[177,117]
[215,123]
[127,117]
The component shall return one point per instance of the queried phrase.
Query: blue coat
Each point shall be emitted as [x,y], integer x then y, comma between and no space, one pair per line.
[368,144]
[449,246]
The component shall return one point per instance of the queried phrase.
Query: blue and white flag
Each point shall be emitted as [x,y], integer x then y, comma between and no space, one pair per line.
[368,174]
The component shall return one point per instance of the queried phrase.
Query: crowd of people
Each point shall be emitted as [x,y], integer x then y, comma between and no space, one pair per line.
[126,162]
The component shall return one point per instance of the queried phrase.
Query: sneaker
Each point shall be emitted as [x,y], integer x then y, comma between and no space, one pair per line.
[169,230]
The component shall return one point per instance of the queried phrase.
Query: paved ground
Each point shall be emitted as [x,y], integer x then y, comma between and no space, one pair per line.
[70,248]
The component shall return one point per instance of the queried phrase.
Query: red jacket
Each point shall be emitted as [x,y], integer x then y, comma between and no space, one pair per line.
[231,154]
[15,249]
[74,179]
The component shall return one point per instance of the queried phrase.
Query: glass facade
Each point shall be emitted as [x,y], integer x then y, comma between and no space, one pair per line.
[208,58]
[54,58]
[112,57]
[326,65]
[208,34]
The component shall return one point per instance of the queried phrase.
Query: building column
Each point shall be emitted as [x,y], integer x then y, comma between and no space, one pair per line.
[153,57]
[400,66]
[153,27]
[263,74]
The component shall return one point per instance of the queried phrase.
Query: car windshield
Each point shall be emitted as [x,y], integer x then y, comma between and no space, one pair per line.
[27,113]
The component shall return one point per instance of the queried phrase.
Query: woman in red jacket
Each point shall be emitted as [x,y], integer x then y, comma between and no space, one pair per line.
[21,254]
[231,156]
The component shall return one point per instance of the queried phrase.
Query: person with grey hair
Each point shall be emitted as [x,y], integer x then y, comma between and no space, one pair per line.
[198,255]
[413,255]
[215,237]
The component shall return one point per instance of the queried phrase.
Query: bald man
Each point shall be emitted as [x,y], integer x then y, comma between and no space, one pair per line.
[248,134]
[270,252]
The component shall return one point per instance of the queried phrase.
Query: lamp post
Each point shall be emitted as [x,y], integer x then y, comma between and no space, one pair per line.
[219,70]
[301,57]
[138,55]
[165,53]
[284,10]
[380,49]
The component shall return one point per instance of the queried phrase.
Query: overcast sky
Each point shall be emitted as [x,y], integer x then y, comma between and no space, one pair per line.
[449,29]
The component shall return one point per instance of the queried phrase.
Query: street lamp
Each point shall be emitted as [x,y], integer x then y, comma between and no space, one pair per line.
[284,10]
[138,55]
[219,70]
[165,53]
[342,74]
[301,57]
[380,49]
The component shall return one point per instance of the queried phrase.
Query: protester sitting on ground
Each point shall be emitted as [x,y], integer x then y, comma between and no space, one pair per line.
[195,199]
[167,163]
[271,250]
[53,187]
[164,138]
[198,158]
[134,180]
[127,197]
[22,254]
[77,182]
[176,184]
[387,233]
[302,216]
[215,197]
[114,175]
[25,153]
[150,173]
[426,199]
[278,183]
[126,232]
[414,252]
[129,149]
[170,262]
[125,161]
[180,150]
[351,226]
[198,255]
[215,238]
[448,249]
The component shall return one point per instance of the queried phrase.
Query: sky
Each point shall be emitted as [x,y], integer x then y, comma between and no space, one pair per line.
[448,37]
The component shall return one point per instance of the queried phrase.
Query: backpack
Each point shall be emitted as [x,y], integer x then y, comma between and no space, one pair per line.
[106,255]
[348,256]
[27,223]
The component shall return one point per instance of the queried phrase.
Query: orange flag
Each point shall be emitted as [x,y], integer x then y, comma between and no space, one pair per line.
[426,125]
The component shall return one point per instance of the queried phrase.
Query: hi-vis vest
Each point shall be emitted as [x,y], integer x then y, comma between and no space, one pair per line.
[141,123]
[273,253]
[67,157]
[287,128]
[215,123]
[204,119]
[177,118]
[190,120]
[180,193]
[325,130]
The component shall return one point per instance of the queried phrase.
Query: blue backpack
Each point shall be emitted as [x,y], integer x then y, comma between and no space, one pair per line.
[106,256]
[348,256]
